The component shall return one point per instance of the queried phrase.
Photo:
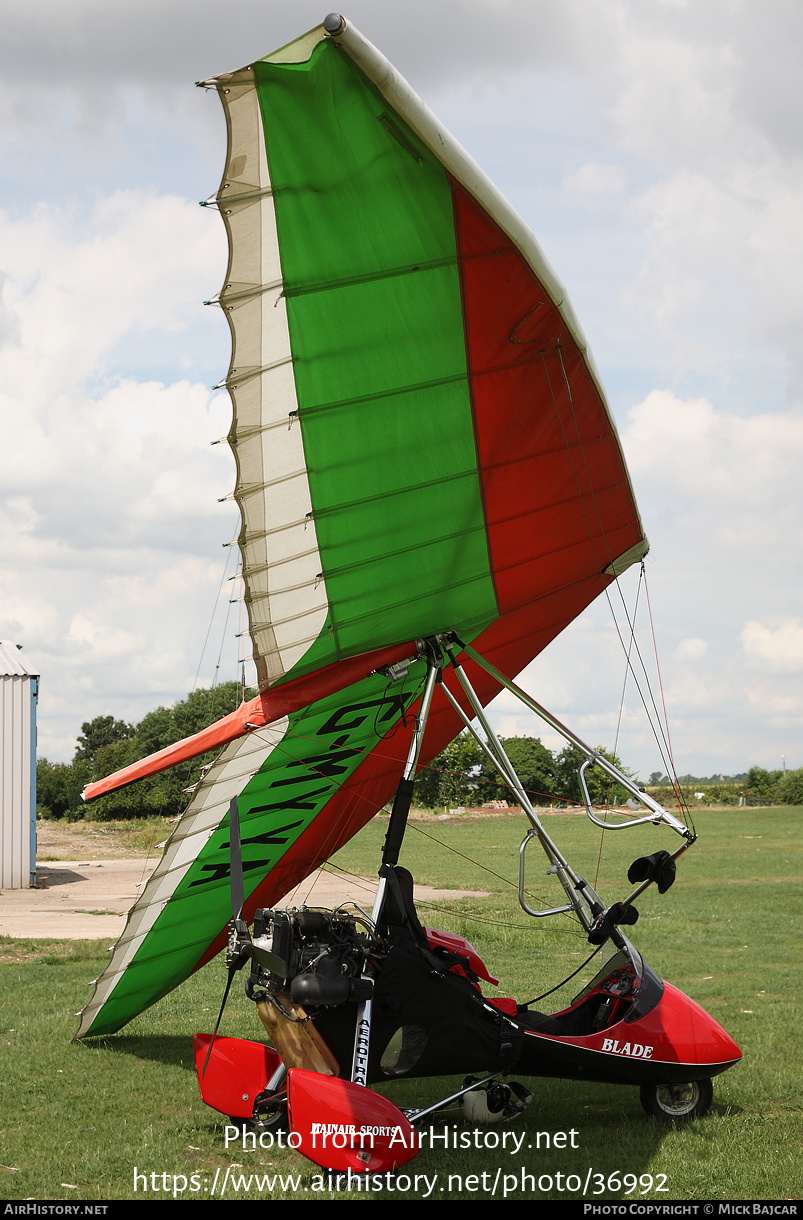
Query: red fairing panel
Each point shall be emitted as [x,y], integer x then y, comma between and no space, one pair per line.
[236,1073]
[457,944]
[675,1032]
[343,1126]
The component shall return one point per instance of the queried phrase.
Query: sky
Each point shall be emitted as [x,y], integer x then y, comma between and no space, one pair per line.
[655,148]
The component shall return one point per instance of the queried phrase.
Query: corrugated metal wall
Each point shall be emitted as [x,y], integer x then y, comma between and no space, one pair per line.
[18,692]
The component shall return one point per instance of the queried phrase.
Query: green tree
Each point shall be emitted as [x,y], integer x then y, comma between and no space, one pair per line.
[463,774]
[106,745]
[165,793]
[461,759]
[762,785]
[601,788]
[166,725]
[450,779]
[54,788]
[533,764]
[59,787]
[426,792]
[790,789]
[100,732]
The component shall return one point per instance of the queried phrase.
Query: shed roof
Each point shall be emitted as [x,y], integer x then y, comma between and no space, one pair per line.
[11,662]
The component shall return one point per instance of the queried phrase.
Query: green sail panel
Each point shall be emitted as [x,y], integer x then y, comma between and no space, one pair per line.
[370,276]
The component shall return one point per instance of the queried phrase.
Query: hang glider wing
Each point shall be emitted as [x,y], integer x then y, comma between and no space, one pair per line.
[422,445]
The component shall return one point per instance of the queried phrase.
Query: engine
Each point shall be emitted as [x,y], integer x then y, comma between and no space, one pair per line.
[316,957]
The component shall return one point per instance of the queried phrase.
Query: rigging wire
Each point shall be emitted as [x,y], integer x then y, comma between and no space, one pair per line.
[663,702]
[628,665]
[212,690]
[666,757]
[212,618]
[653,721]
[184,771]
[568,979]
[369,887]
[662,723]
[619,718]
[483,867]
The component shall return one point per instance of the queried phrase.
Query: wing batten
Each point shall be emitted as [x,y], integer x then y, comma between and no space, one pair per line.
[264,400]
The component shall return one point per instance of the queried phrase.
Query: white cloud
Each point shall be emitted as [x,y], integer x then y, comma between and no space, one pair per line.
[593,179]
[700,100]
[732,478]
[111,524]
[691,650]
[76,283]
[774,651]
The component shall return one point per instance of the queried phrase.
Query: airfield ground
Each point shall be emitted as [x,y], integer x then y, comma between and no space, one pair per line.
[87,882]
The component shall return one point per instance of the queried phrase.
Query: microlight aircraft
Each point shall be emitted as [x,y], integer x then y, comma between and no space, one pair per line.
[431,489]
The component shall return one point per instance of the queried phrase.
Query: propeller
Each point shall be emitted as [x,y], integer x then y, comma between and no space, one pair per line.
[239,946]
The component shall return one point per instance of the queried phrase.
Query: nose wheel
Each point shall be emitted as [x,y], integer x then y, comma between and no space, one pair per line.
[491,1103]
[677,1103]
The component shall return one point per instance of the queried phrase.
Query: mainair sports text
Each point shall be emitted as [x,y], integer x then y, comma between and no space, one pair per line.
[342,1134]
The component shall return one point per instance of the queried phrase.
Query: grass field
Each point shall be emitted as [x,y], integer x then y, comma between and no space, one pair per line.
[121,1118]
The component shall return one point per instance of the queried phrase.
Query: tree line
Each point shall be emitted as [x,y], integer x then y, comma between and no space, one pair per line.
[106,745]
[774,787]
[461,775]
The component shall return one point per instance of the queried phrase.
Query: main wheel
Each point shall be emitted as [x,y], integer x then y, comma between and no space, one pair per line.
[677,1103]
[271,1115]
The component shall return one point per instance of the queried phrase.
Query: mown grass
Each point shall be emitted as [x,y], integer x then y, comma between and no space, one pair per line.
[78,1120]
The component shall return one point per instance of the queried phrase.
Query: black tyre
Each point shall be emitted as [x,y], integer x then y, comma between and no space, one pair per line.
[677,1103]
